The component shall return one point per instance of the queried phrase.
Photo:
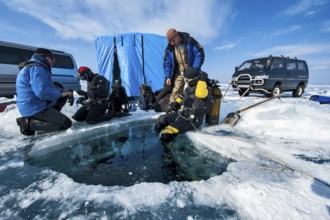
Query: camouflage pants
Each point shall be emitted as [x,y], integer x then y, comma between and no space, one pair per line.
[177,88]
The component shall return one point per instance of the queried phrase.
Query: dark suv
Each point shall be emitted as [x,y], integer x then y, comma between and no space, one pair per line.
[271,75]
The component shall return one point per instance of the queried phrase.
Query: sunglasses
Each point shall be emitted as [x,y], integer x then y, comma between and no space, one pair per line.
[172,39]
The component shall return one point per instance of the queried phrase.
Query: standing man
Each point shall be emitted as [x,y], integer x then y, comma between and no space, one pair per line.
[38,101]
[95,100]
[183,51]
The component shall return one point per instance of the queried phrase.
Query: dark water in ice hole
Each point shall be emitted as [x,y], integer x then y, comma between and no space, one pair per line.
[130,156]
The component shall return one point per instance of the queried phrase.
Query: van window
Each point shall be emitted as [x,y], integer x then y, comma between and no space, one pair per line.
[63,62]
[302,66]
[277,64]
[253,64]
[291,65]
[10,55]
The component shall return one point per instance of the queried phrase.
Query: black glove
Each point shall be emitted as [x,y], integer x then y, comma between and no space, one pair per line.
[71,100]
[174,106]
[82,93]
[70,97]
[81,101]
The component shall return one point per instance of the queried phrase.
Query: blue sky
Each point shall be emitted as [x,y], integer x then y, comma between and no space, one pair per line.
[230,31]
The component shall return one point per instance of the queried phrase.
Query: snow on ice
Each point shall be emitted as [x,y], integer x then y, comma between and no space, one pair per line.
[290,134]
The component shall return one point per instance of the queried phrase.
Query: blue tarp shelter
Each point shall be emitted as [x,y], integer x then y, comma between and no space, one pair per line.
[135,58]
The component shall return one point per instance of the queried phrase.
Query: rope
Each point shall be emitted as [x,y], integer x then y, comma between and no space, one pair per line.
[281,163]
[226,91]
[244,93]
[198,130]
[284,165]
[309,175]
[270,157]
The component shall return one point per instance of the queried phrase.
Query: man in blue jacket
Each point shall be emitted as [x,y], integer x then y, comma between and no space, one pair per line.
[182,52]
[38,100]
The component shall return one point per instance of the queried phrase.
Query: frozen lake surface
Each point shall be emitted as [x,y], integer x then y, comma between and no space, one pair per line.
[274,164]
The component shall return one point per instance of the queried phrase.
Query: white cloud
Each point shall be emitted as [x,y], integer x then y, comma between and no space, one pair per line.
[87,19]
[303,7]
[311,13]
[289,30]
[297,50]
[225,46]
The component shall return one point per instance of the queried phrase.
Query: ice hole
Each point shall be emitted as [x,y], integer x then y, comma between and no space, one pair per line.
[129,155]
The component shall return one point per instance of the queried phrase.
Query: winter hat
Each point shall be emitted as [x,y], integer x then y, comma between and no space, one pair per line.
[190,73]
[44,52]
[171,34]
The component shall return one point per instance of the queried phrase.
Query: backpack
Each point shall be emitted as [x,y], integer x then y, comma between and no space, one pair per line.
[147,97]
[118,98]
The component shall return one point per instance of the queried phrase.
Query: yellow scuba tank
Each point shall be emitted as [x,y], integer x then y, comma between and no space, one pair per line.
[212,118]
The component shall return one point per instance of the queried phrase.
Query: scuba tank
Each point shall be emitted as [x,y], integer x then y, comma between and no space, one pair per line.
[212,118]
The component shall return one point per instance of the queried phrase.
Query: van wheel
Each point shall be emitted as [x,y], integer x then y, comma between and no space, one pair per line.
[242,91]
[299,91]
[277,90]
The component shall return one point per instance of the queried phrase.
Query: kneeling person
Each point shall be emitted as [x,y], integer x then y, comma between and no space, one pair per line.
[186,112]
[38,100]
[95,100]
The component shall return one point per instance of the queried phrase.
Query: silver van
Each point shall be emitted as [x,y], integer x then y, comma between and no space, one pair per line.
[271,76]
[12,54]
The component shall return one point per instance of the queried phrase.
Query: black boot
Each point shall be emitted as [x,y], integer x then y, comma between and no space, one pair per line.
[24,124]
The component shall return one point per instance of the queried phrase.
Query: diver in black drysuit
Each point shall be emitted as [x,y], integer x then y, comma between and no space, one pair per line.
[95,101]
[196,101]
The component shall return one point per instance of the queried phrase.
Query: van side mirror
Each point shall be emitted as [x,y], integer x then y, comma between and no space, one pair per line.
[236,69]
